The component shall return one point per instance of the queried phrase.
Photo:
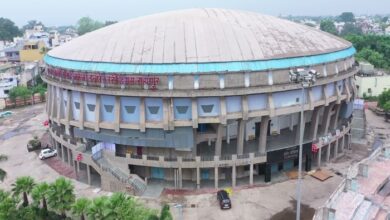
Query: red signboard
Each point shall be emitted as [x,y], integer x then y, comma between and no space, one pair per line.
[99,78]
[79,157]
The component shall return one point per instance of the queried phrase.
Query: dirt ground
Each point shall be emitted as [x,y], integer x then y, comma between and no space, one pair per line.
[275,201]
[15,132]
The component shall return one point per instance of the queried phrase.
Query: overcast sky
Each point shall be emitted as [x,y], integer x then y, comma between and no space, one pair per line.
[67,12]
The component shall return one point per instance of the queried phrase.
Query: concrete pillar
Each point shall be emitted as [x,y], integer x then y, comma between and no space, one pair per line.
[328,152]
[195,142]
[319,154]
[326,119]
[241,137]
[180,178]
[63,153]
[82,110]
[222,116]
[251,174]
[78,166]
[69,157]
[314,123]
[142,120]
[298,132]
[97,113]
[52,100]
[197,177]
[117,115]
[234,175]
[68,115]
[335,118]
[89,174]
[218,143]
[336,149]
[245,108]
[342,143]
[194,106]
[263,134]
[216,177]
[59,105]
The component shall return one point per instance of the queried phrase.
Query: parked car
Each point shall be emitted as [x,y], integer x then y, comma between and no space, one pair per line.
[5,114]
[224,200]
[46,153]
[33,144]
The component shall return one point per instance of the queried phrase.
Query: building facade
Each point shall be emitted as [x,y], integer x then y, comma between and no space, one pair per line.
[196,97]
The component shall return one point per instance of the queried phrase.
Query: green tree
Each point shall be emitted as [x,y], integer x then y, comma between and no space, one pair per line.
[19,91]
[61,196]
[8,30]
[99,208]
[8,205]
[107,23]
[165,213]
[39,194]
[350,28]
[3,173]
[347,17]
[384,100]
[31,24]
[328,26]
[23,185]
[87,24]
[79,208]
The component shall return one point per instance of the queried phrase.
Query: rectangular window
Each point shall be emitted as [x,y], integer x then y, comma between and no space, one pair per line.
[207,108]
[153,109]
[182,109]
[91,107]
[369,90]
[77,105]
[130,109]
[109,108]
[196,82]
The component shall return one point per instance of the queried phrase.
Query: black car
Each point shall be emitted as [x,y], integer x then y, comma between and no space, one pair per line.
[224,200]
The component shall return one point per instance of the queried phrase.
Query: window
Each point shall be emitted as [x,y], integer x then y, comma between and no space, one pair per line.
[196,82]
[182,109]
[65,102]
[153,109]
[369,90]
[297,100]
[130,109]
[77,105]
[207,108]
[91,107]
[170,82]
[221,82]
[109,108]
[6,92]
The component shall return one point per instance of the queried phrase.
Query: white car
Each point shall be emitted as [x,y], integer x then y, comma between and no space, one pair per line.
[46,153]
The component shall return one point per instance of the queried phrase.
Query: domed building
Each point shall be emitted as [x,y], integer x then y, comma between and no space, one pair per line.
[197,98]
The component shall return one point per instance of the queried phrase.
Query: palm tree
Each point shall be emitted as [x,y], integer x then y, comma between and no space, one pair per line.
[79,208]
[99,208]
[39,194]
[8,205]
[3,174]
[61,196]
[23,185]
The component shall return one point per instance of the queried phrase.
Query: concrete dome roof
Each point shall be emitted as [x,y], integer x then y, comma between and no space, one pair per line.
[199,36]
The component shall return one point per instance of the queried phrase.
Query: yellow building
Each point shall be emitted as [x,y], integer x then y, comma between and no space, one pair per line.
[372,85]
[32,51]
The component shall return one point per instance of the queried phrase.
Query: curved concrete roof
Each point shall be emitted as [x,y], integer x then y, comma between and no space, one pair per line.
[199,36]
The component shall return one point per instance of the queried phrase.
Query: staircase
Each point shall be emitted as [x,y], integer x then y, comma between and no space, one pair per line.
[132,181]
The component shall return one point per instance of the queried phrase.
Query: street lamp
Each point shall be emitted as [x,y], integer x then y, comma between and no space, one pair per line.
[307,78]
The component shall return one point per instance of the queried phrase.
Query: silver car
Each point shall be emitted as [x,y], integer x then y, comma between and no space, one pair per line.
[46,153]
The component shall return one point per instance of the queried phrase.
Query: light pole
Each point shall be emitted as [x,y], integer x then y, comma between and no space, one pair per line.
[306,78]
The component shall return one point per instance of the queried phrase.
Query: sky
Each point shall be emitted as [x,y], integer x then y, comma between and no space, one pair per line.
[67,12]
